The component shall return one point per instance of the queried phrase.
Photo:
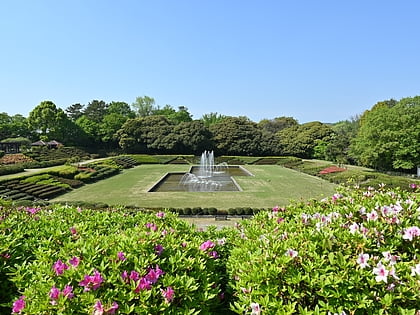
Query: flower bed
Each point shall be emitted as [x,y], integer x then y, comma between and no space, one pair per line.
[354,253]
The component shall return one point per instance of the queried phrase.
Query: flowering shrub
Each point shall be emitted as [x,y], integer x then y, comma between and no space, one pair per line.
[66,260]
[355,253]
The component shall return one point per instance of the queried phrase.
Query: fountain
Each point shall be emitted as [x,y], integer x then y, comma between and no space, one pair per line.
[205,177]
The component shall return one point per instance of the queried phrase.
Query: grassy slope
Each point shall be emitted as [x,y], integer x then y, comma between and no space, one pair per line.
[271,185]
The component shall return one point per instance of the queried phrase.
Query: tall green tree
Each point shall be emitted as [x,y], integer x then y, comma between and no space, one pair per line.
[212,118]
[301,140]
[144,106]
[48,121]
[151,134]
[277,124]
[389,135]
[192,137]
[96,110]
[175,116]
[75,111]
[241,136]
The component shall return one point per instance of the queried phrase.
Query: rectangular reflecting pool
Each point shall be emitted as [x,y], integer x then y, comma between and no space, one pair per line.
[195,181]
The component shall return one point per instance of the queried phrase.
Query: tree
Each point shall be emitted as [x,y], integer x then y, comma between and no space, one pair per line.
[240,136]
[144,106]
[277,124]
[96,110]
[212,118]
[121,108]
[182,115]
[74,111]
[301,140]
[192,137]
[151,134]
[14,126]
[389,135]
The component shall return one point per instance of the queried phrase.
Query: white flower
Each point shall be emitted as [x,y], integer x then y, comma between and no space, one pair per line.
[256,309]
[362,260]
[381,273]
[291,253]
[415,270]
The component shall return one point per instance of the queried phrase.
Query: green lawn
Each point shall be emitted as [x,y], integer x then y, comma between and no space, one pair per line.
[272,185]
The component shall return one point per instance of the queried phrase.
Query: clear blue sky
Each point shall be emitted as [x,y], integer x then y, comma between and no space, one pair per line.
[312,60]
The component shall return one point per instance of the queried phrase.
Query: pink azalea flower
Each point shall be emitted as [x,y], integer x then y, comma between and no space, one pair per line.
[291,253]
[134,275]
[276,209]
[121,256]
[143,285]
[158,249]
[372,216]
[73,230]
[152,277]
[255,309]
[113,308]
[206,245]
[92,282]
[54,293]
[124,275]
[184,244]
[391,258]
[68,292]
[362,260]
[411,233]
[98,308]
[168,294]
[151,226]
[214,254]
[79,209]
[19,305]
[160,214]
[74,261]
[59,267]
[381,273]
[353,228]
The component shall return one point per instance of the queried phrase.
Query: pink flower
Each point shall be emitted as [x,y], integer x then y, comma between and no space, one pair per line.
[79,209]
[98,308]
[158,249]
[168,294]
[32,210]
[206,245]
[74,261]
[353,228]
[381,273]
[68,292]
[121,256]
[255,309]
[143,285]
[59,267]
[160,214]
[184,244]
[92,282]
[154,274]
[113,308]
[19,305]
[73,230]
[134,275]
[372,216]
[291,253]
[276,209]
[362,260]
[411,233]
[391,258]
[54,294]
[214,254]
[151,226]
[124,275]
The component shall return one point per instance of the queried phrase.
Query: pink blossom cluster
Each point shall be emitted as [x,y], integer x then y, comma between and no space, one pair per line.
[55,293]
[206,246]
[145,282]
[92,282]
[99,309]
[384,268]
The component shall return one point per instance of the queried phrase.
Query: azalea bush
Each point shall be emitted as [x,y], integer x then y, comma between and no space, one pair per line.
[66,260]
[354,253]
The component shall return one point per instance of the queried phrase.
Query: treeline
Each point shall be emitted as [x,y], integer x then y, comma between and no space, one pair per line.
[386,137]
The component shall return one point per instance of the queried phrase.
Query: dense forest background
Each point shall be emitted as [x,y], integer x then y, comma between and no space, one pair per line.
[385,137]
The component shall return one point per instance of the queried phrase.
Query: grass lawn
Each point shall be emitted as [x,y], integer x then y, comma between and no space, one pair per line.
[272,185]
